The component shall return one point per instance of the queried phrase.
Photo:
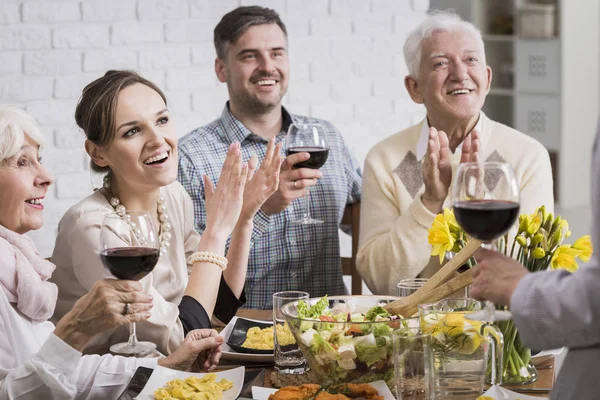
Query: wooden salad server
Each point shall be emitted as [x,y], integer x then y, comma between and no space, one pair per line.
[435,289]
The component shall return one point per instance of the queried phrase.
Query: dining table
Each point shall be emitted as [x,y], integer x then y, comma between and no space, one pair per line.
[261,373]
[540,388]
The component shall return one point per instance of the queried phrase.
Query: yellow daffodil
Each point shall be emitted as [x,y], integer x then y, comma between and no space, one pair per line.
[440,237]
[521,240]
[564,257]
[584,245]
[535,223]
[538,253]
[524,221]
[453,327]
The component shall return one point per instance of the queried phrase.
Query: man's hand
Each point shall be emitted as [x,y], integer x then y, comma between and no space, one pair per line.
[495,277]
[292,183]
[437,169]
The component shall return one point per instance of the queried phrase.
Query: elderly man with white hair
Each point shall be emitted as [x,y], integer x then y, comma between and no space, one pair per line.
[408,175]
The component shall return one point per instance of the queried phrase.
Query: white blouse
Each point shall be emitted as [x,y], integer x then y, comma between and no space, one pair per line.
[36,364]
[78,266]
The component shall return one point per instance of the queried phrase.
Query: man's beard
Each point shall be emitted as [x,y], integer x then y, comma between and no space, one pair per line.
[253,104]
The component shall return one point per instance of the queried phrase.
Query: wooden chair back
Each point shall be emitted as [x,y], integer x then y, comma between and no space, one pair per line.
[351,219]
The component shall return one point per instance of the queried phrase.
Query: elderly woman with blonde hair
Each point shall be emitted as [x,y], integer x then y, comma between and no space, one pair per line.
[40,360]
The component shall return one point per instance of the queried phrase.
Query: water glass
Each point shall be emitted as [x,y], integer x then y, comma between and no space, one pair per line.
[288,357]
[410,366]
[406,287]
[459,349]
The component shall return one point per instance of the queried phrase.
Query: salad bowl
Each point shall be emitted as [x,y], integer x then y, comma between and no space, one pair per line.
[347,338]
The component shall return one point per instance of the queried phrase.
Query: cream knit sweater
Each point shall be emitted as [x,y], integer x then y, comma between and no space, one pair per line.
[394,222]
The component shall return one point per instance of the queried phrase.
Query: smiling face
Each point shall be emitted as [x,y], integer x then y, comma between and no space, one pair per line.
[256,69]
[453,78]
[143,154]
[23,186]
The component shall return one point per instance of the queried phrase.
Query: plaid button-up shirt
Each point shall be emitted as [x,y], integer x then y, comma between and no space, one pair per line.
[282,256]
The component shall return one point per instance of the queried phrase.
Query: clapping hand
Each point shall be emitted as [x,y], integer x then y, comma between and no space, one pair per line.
[224,203]
[263,182]
[437,168]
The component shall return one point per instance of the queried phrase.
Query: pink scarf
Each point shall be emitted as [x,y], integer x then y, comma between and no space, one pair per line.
[24,276]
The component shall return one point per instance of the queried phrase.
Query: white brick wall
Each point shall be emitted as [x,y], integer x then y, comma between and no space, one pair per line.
[346,66]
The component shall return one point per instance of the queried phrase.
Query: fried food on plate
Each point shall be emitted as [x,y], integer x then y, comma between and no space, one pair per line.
[344,391]
[301,392]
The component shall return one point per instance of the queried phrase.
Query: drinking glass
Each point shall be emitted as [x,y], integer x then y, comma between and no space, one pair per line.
[482,214]
[307,138]
[130,250]
[410,367]
[458,354]
[406,287]
[288,357]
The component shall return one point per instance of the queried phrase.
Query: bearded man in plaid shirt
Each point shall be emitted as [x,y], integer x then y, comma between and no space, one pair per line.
[252,58]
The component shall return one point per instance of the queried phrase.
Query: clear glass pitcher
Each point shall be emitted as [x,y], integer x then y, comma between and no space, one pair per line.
[459,350]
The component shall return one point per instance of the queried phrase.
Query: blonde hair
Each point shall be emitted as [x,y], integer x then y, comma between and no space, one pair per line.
[15,123]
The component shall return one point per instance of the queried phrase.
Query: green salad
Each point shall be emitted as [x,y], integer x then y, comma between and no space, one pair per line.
[347,346]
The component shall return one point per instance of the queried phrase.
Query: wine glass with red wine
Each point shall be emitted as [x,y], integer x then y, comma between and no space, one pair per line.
[305,137]
[130,250]
[482,214]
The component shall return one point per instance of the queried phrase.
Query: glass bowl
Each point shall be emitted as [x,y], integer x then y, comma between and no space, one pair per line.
[348,351]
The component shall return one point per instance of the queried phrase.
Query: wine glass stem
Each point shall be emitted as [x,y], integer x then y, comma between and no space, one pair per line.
[133,341]
[306,215]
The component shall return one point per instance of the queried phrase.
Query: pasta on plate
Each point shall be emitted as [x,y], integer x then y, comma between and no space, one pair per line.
[263,339]
[194,388]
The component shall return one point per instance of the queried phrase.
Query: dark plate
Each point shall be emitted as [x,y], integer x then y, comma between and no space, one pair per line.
[238,336]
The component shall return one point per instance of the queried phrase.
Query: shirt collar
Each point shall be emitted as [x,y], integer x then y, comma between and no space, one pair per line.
[424,137]
[237,131]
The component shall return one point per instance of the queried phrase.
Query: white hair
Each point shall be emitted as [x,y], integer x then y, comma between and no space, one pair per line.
[14,125]
[437,21]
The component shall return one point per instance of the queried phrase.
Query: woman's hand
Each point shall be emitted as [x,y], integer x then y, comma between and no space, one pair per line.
[200,350]
[224,204]
[103,309]
[260,185]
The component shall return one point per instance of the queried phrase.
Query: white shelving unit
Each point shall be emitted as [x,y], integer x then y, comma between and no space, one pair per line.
[532,89]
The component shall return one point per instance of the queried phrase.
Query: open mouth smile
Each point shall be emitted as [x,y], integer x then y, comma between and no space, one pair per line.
[36,202]
[460,91]
[157,159]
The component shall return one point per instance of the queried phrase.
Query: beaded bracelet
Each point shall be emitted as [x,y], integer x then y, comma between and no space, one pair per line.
[206,256]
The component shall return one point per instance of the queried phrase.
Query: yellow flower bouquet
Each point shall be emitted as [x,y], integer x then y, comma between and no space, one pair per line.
[538,245]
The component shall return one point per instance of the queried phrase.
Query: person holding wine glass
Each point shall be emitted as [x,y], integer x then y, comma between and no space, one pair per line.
[132,140]
[41,360]
[407,177]
[252,59]
[553,308]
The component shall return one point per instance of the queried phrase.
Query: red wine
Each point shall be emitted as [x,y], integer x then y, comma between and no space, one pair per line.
[130,262]
[486,219]
[318,156]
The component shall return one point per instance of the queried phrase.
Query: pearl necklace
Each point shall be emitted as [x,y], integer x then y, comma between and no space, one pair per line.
[163,217]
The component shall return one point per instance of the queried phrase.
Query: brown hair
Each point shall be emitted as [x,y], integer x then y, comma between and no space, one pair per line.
[236,22]
[97,107]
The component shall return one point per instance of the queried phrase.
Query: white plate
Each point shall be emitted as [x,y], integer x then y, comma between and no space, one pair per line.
[261,393]
[230,354]
[545,355]
[162,375]
[500,393]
